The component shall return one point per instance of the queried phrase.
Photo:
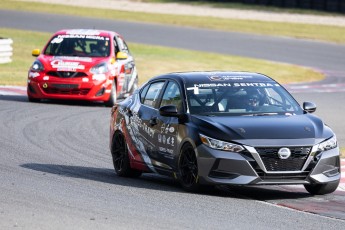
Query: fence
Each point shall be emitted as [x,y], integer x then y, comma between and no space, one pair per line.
[5,50]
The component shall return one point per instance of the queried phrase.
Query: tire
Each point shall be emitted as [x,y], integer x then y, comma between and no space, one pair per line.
[322,189]
[33,99]
[112,98]
[188,169]
[120,157]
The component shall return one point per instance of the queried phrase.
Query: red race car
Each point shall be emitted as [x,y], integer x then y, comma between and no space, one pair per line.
[79,64]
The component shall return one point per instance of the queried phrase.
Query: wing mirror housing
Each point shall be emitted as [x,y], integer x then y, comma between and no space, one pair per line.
[169,111]
[121,55]
[36,52]
[309,107]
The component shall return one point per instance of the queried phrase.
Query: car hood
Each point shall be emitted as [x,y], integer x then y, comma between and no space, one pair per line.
[264,130]
[67,63]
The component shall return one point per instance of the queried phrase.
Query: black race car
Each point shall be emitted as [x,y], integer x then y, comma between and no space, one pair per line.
[222,128]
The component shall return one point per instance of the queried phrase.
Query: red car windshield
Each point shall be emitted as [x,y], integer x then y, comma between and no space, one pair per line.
[78,45]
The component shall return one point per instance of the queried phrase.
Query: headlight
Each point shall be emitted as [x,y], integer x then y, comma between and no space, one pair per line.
[328,144]
[221,145]
[37,66]
[101,68]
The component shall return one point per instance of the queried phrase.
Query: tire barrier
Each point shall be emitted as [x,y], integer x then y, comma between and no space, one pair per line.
[5,50]
[320,5]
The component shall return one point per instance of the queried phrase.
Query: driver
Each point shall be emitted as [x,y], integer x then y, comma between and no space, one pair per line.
[252,102]
[102,48]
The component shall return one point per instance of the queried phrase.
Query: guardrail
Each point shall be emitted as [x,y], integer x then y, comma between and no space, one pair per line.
[5,50]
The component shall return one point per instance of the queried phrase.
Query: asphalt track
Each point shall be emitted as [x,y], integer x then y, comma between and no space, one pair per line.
[325,57]
[55,167]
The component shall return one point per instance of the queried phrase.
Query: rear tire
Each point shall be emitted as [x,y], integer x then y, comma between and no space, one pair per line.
[119,153]
[112,98]
[188,169]
[321,189]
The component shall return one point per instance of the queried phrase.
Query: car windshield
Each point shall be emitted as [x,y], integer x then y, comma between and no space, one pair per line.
[78,45]
[244,99]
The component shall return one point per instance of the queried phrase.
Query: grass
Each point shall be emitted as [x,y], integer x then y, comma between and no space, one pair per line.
[316,32]
[342,152]
[152,60]
[239,5]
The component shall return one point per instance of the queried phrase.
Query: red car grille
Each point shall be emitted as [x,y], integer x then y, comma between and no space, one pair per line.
[65,89]
[66,74]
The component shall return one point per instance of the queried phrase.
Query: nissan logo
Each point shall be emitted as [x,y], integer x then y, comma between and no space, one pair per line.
[284,153]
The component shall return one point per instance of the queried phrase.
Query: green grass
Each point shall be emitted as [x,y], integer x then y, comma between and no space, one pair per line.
[342,152]
[315,32]
[239,5]
[152,60]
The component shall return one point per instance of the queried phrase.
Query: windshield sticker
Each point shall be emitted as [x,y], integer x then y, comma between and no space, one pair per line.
[195,88]
[84,32]
[242,84]
[60,38]
[65,65]
[226,78]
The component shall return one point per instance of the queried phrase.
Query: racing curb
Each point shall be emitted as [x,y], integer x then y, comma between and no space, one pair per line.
[21,90]
[342,180]
[12,90]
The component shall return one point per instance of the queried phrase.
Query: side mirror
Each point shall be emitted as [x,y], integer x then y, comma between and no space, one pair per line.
[309,107]
[36,52]
[121,55]
[168,111]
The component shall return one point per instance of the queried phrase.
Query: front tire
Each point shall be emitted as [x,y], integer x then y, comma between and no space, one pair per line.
[119,153]
[322,189]
[31,99]
[113,96]
[188,169]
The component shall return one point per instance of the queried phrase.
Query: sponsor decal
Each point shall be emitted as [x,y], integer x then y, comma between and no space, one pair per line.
[171,141]
[33,74]
[225,78]
[66,65]
[46,78]
[99,77]
[171,129]
[70,58]
[45,85]
[85,79]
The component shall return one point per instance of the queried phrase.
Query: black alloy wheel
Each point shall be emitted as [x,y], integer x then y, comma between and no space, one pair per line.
[119,153]
[188,169]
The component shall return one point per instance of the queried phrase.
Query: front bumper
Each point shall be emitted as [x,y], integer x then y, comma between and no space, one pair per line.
[221,167]
[69,90]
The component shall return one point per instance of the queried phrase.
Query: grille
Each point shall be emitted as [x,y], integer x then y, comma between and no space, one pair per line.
[295,162]
[66,74]
[283,176]
[65,89]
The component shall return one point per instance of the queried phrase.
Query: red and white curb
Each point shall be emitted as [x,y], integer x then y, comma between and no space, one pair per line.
[316,88]
[342,180]
[12,90]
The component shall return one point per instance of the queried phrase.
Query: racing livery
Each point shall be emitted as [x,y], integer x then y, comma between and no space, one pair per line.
[81,64]
[223,128]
